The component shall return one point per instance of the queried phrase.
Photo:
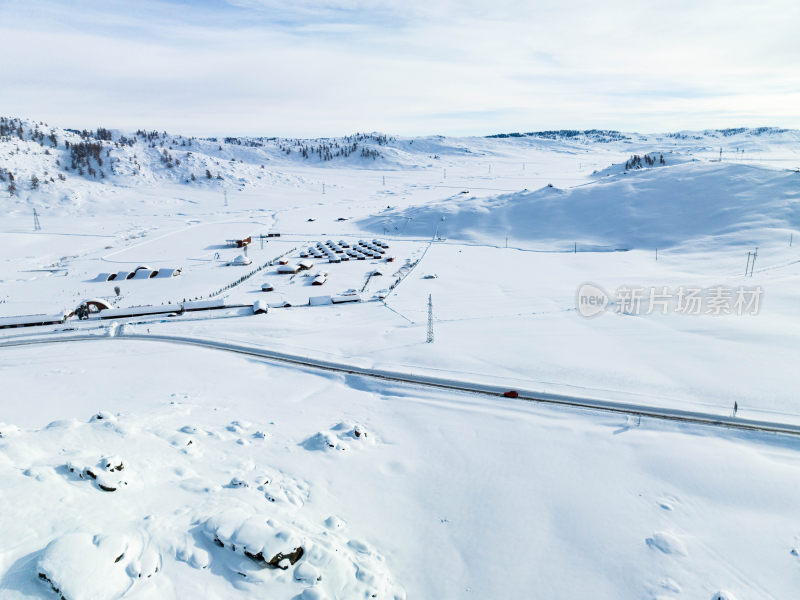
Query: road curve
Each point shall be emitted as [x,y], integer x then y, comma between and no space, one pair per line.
[588,404]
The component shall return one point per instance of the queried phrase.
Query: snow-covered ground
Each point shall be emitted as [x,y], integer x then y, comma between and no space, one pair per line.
[393,490]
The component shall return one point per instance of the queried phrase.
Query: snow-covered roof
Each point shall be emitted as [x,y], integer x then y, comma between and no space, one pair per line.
[205,304]
[242,260]
[346,298]
[168,272]
[287,269]
[134,311]
[144,273]
[30,320]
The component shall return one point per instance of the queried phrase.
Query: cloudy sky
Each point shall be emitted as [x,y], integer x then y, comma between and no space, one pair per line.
[407,67]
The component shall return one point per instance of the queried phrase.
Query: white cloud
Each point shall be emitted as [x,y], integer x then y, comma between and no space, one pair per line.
[302,68]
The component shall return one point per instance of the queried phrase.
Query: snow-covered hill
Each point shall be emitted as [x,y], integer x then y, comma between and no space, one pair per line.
[698,202]
[50,166]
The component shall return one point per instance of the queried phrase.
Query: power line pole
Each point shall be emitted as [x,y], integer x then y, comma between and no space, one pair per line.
[430,320]
[323,187]
[226,197]
[36,225]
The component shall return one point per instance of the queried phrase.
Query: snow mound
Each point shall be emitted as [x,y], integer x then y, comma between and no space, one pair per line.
[82,566]
[260,548]
[103,415]
[105,473]
[282,489]
[339,437]
[324,441]
[264,541]
[666,543]
[8,430]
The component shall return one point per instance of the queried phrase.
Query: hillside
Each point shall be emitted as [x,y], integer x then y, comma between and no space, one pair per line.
[699,202]
[56,167]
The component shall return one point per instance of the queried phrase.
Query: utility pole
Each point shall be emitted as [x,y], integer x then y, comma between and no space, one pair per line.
[791,237]
[747,268]
[430,320]
[656,254]
[753,264]
[384,181]
[323,188]
[226,198]
[444,173]
[36,225]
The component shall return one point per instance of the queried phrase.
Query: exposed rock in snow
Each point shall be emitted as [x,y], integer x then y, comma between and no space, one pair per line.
[105,473]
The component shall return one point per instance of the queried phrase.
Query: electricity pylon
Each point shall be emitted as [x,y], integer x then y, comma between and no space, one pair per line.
[430,320]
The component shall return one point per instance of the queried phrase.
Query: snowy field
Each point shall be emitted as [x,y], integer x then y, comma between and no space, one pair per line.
[149,470]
